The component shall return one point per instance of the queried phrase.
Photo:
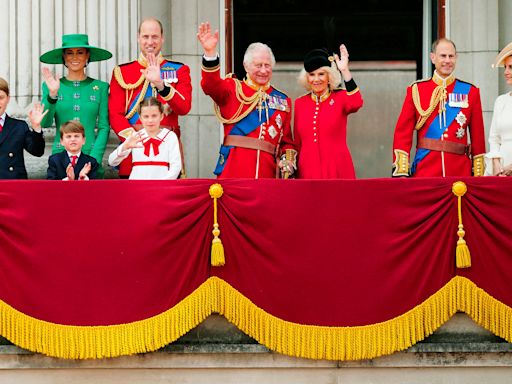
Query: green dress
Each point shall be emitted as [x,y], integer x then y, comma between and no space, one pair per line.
[87,102]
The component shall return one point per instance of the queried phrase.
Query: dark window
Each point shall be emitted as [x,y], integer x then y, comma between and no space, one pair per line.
[371,29]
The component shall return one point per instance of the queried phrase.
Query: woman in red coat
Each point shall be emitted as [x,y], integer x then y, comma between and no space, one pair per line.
[320,126]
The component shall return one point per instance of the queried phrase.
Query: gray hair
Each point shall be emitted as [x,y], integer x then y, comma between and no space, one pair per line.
[249,53]
[442,40]
[332,72]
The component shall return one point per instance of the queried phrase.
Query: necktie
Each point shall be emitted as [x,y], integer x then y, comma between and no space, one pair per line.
[73,160]
[1,127]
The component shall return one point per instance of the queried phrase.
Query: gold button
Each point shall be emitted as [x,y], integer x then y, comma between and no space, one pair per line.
[11,154]
[445,135]
[11,169]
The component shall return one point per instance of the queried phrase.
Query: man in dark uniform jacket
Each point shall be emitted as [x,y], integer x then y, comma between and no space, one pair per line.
[15,136]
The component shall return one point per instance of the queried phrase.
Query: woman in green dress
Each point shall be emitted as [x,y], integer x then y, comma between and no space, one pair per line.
[77,96]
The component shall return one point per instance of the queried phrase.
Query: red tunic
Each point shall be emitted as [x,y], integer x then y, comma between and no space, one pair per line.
[244,162]
[122,96]
[432,164]
[320,130]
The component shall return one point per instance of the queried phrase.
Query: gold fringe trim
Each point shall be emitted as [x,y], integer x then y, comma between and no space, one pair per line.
[306,341]
[484,309]
[96,342]
[369,341]
[337,343]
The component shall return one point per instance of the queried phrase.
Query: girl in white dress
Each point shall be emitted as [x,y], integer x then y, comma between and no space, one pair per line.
[499,157]
[155,151]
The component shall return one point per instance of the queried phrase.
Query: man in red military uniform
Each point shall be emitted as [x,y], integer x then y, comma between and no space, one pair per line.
[255,115]
[150,75]
[443,111]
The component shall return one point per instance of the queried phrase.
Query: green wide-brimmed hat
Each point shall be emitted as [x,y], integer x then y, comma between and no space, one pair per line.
[74,41]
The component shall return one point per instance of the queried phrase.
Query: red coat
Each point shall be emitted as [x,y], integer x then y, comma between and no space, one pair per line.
[432,164]
[244,162]
[122,96]
[320,131]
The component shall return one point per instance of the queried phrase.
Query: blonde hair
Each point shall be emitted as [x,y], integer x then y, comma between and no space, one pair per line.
[332,72]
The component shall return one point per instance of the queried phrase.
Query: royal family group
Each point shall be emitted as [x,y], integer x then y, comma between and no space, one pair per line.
[145,97]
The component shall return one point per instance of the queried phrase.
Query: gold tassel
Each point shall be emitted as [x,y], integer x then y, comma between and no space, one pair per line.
[217,255]
[462,255]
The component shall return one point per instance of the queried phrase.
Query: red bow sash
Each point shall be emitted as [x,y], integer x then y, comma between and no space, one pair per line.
[152,142]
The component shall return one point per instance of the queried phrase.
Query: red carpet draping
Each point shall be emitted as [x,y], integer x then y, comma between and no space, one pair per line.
[320,269]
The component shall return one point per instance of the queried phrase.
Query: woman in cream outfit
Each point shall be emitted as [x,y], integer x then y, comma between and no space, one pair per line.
[499,158]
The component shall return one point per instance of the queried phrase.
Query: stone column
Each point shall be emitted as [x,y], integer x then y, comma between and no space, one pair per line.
[33,27]
[473,26]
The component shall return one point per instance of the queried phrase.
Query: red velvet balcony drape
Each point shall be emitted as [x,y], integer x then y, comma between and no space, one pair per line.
[321,269]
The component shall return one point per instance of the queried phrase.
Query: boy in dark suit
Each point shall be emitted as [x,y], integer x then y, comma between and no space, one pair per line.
[72,164]
[15,136]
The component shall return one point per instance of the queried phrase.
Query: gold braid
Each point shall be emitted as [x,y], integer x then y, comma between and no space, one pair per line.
[438,97]
[252,101]
[119,77]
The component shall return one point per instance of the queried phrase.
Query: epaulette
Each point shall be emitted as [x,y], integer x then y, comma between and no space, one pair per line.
[467,82]
[420,81]
[175,62]
[281,92]
[131,62]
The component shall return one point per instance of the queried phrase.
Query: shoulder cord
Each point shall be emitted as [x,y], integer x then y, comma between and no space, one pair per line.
[251,101]
[438,97]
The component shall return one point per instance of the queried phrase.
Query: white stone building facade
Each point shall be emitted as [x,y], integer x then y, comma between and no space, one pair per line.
[31,27]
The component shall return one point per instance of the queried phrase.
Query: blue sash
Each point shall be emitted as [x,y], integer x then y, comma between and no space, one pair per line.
[244,127]
[436,130]
[167,71]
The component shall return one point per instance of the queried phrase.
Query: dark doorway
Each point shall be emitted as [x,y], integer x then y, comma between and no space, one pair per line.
[373,30]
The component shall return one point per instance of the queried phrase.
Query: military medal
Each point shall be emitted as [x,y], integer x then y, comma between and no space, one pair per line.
[279,121]
[272,131]
[169,77]
[458,100]
[278,103]
[461,120]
